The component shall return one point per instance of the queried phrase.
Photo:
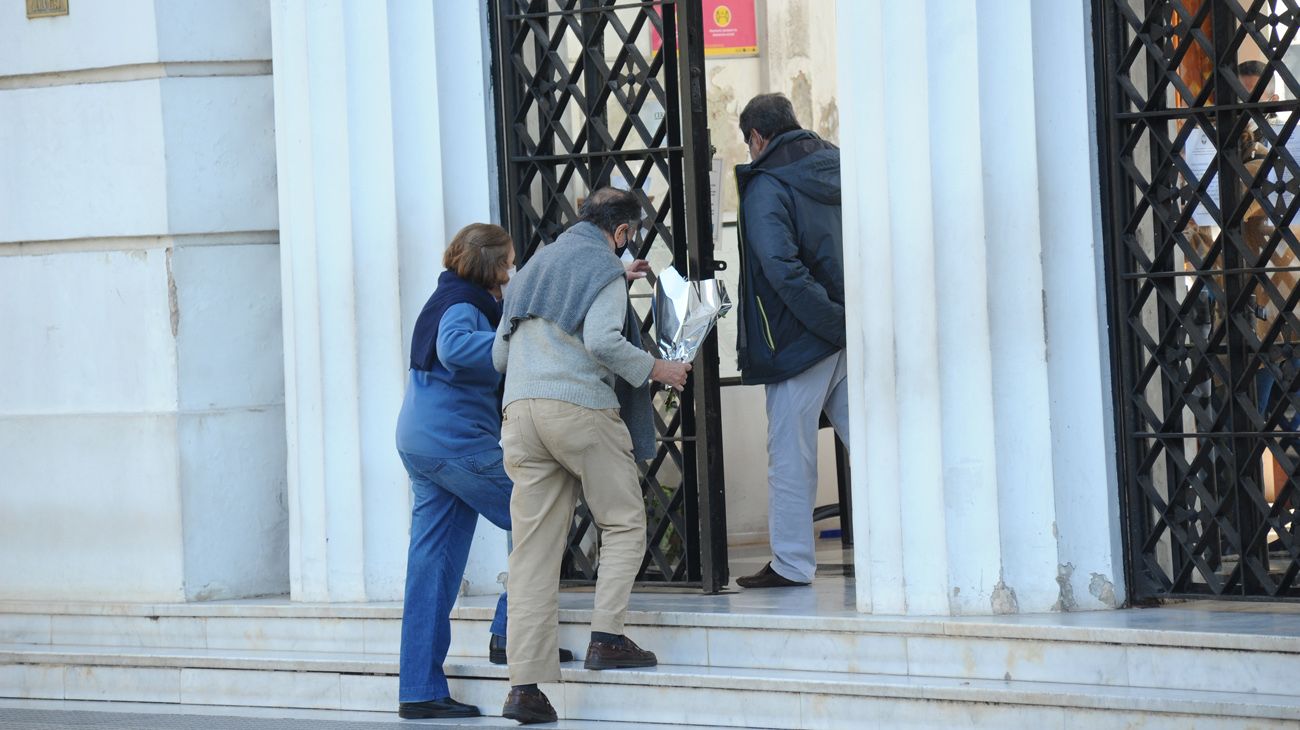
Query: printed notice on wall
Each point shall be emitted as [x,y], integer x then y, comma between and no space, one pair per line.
[730,29]
[1199,154]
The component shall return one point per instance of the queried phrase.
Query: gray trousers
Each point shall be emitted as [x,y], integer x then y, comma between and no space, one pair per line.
[794,407]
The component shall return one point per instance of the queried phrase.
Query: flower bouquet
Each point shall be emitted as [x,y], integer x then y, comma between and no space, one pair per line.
[685,313]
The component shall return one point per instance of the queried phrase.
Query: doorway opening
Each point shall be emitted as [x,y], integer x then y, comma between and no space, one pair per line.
[645,96]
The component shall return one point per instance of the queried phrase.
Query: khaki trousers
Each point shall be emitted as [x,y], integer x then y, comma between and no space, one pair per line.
[552,449]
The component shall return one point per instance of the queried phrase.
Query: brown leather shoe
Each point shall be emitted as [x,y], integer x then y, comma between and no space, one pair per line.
[528,706]
[622,654]
[767,578]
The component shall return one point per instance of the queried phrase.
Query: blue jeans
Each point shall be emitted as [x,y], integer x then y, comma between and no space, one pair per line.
[450,494]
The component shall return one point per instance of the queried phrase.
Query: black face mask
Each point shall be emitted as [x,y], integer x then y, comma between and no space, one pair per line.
[619,249]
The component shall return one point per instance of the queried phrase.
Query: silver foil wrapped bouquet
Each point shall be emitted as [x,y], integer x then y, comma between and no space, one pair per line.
[685,312]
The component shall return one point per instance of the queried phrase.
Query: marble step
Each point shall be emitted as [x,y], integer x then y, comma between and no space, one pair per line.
[668,694]
[1072,649]
[51,714]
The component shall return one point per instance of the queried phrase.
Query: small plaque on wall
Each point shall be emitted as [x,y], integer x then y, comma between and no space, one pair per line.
[46,8]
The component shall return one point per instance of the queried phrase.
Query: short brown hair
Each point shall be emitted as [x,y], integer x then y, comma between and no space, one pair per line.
[770,114]
[478,254]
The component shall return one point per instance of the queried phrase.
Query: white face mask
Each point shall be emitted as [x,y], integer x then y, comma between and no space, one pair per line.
[510,274]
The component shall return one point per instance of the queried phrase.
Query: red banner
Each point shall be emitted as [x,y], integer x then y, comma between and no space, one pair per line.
[730,28]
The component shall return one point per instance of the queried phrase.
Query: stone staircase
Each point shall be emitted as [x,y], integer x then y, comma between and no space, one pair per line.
[1153,669]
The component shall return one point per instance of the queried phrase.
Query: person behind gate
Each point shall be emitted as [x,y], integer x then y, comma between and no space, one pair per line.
[577,416]
[791,334]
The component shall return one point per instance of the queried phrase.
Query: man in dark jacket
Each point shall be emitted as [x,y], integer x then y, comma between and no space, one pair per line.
[791,332]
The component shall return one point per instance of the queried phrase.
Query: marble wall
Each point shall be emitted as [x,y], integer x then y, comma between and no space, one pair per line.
[142,447]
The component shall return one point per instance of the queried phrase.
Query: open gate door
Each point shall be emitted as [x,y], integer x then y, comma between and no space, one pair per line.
[592,93]
[1198,108]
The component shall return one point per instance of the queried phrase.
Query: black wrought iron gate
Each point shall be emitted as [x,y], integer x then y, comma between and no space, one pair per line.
[1200,163]
[597,92]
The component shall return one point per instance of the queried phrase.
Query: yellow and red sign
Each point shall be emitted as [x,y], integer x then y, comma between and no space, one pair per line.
[730,28]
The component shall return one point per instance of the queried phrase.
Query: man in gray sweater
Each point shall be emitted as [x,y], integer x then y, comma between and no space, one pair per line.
[577,416]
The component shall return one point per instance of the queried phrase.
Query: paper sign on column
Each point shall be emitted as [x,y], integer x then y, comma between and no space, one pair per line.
[1199,153]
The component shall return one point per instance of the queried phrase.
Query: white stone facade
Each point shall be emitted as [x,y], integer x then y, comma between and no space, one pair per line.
[383,141]
[208,272]
[981,448]
[142,450]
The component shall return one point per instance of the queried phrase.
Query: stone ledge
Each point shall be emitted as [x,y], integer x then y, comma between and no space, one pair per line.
[280,666]
[1184,627]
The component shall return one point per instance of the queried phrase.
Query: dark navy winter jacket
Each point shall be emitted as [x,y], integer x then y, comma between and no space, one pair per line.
[791,300]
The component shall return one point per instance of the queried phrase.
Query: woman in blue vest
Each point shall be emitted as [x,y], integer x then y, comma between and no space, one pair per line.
[448,435]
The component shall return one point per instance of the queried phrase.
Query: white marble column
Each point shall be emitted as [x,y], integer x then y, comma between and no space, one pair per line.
[909,165]
[969,455]
[980,455]
[1016,303]
[359,134]
[1078,362]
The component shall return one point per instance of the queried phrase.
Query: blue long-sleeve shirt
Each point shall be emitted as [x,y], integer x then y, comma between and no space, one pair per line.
[453,409]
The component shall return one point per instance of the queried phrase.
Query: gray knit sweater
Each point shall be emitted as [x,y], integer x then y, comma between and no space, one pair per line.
[544,361]
[562,334]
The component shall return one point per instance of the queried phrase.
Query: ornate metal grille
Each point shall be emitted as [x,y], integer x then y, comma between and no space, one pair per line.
[1201,171]
[598,92]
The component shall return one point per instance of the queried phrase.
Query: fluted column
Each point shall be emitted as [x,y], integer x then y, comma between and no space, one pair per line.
[1078,362]
[963,422]
[361,139]
[910,177]
[384,151]
[969,455]
[869,303]
[341,312]
[1016,295]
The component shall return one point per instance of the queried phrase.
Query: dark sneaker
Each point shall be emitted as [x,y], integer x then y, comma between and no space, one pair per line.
[445,707]
[497,651]
[621,654]
[767,578]
[528,706]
